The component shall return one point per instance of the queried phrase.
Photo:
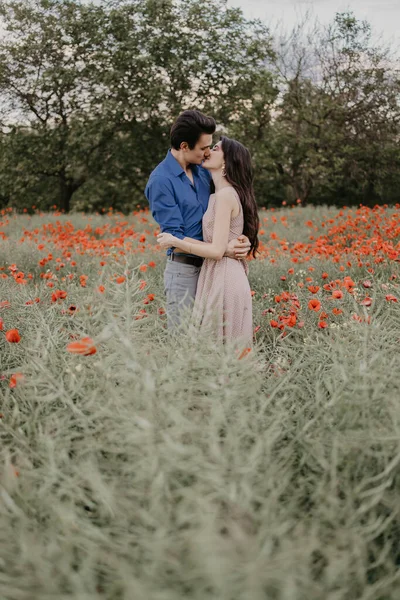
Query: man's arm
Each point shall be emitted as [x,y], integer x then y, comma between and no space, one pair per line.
[164,208]
[225,204]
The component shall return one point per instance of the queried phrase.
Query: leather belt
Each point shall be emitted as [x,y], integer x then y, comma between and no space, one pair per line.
[195,261]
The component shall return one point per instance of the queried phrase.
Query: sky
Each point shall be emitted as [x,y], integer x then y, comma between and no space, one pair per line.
[383,15]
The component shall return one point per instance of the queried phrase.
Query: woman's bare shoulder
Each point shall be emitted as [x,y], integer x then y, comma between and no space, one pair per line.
[227,194]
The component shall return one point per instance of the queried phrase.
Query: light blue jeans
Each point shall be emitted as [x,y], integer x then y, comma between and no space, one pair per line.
[180,284]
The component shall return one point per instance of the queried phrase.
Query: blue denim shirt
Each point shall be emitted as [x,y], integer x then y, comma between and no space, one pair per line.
[176,204]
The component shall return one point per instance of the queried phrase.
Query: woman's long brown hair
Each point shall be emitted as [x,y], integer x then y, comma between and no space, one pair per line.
[239,173]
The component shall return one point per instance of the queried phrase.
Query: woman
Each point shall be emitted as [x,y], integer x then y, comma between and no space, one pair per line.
[223,299]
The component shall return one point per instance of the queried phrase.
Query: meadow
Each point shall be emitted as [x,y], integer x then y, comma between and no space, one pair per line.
[137,465]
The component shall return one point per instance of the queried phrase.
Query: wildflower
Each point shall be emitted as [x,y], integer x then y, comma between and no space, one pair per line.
[101,289]
[313,289]
[85,346]
[391,298]
[322,324]
[337,311]
[348,283]
[143,268]
[152,264]
[244,353]
[58,295]
[367,283]
[337,294]
[142,314]
[366,302]
[274,323]
[314,304]
[13,336]
[120,279]
[15,378]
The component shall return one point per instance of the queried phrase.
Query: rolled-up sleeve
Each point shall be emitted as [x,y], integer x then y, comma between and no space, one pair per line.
[164,208]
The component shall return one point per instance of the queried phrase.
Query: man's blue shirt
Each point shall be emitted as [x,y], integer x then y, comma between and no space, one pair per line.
[176,204]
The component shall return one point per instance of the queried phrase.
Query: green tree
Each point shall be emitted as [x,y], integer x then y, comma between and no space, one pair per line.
[91,90]
[337,124]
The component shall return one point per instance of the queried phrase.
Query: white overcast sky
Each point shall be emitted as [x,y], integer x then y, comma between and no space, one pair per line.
[383,15]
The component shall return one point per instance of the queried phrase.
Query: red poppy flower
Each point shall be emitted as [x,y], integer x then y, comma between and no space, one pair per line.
[313,289]
[337,311]
[85,346]
[15,378]
[391,298]
[244,353]
[366,302]
[120,279]
[314,304]
[58,295]
[71,310]
[337,294]
[322,324]
[13,336]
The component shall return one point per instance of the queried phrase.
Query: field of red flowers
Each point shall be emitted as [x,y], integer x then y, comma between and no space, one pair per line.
[327,269]
[121,445]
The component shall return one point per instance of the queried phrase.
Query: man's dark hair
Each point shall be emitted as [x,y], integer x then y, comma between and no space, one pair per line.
[189,127]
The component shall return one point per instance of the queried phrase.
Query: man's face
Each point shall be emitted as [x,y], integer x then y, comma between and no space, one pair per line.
[201,151]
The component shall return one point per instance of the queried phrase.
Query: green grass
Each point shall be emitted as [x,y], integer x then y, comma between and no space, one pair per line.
[164,468]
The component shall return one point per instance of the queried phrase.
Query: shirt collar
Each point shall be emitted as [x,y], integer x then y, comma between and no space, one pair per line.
[175,168]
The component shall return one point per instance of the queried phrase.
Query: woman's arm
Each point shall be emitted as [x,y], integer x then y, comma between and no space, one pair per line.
[225,204]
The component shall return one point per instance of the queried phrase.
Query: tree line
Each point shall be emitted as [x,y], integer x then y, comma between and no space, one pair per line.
[88,92]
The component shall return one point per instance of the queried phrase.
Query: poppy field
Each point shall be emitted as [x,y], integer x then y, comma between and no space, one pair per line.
[139,465]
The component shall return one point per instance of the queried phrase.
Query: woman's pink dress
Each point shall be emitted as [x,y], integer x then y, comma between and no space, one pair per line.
[223,301]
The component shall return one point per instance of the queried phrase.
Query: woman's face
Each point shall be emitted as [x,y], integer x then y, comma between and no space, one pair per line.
[216,159]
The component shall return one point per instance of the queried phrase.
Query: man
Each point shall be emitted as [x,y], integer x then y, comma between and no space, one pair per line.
[178,192]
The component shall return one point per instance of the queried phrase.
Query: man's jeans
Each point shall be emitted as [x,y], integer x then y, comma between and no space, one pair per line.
[180,283]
